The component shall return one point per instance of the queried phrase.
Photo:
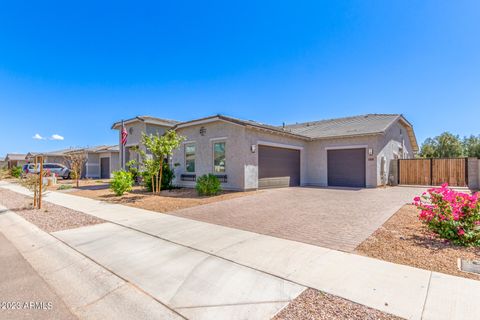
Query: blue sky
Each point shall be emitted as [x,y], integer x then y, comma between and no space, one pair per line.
[73,68]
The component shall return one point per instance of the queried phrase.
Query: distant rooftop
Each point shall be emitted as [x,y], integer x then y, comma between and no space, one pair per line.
[15,156]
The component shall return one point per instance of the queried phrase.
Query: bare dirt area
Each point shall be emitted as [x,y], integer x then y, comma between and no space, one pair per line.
[50,218]
[315,305]
[405,240]
[168,200]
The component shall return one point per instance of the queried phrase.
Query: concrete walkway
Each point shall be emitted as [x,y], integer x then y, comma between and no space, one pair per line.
[400,290]
[22,284]
[89,290]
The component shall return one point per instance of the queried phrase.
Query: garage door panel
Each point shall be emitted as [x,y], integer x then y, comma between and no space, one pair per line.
[346,167]
[275,164]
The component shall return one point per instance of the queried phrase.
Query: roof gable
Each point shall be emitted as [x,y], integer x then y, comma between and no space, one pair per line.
[148,120]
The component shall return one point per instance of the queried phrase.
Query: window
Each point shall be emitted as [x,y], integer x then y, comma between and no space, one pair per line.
[219,157]
[190,157]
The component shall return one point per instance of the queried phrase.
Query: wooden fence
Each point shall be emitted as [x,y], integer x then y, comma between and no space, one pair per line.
[433,171]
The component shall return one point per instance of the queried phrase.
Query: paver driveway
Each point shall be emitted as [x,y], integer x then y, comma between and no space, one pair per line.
[334,218]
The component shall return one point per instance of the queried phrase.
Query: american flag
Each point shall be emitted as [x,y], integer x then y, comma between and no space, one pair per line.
[124,135]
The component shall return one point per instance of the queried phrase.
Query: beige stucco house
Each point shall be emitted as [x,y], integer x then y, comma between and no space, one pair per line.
[345,152]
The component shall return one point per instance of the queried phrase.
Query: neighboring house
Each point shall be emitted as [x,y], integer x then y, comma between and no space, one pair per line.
[3,163]
[100,163]
[15,160]
[345,152]
[57,156]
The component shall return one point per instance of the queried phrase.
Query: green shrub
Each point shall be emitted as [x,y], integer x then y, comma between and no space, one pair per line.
[64,187]
[167,179]
[132,167]
[16,172]
[208,185]
[122,182]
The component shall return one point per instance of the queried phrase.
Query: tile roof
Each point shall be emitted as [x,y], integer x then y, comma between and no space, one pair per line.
[341,127]
[249,123]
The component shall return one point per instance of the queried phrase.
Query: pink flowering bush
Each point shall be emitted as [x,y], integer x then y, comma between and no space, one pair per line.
[450,214]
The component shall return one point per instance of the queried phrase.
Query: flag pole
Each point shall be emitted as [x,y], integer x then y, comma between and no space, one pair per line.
[123,145]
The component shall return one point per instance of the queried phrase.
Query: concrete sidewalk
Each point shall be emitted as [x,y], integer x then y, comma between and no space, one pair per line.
[404,291]
[88,290]
[22,284]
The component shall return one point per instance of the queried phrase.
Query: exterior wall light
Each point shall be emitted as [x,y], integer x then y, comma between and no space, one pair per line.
[253,148]
[370,151]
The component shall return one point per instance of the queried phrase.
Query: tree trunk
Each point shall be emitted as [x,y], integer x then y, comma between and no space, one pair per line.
[153,186]
[160,180]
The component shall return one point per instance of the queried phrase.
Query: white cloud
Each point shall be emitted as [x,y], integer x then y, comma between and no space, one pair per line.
[56,137]
[38,137]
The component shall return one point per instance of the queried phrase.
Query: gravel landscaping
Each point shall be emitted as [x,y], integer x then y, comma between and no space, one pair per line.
[50,218]
[168,200]
[405,240]
[315,305]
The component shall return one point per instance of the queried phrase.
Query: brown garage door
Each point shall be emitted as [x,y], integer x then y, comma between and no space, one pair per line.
[346,167]
[104,168]
[278,167]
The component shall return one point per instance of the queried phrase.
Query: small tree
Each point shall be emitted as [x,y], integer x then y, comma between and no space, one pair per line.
[76,161]
[160,148]
[31,181]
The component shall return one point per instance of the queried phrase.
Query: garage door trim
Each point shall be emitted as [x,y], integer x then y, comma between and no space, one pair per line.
[279,145]
[359,146]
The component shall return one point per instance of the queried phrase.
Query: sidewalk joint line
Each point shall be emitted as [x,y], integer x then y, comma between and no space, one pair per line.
[426,294]
[233,304]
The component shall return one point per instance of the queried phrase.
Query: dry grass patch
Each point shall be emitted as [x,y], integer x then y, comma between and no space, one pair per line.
[168,200]
[315,305]
[404,239]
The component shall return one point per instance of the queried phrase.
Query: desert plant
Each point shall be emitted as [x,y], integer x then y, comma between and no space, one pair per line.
[167,178]
[16,172]
[76,161]
[31,181]
[160,148]
[132,167]
[208,185]
[122,182]
[4,173]
[64,187]
[452,215]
